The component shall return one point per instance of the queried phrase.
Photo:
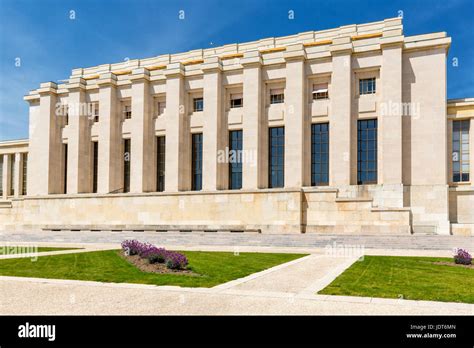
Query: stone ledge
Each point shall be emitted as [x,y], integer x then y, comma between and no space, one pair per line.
[158,228]
[352,199]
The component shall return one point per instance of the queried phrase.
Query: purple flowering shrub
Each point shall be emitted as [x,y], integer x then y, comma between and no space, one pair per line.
[462,257]
[132,247]
[153,254]
[176,260]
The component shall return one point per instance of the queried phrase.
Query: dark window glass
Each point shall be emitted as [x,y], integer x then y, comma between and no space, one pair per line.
[277,98]
[320,154]
[276,157]
[95,163]
[367,152]
[24,174]
[126,165]
[197,161]
[65,168]
[367,86]
[235,159]
[1,175]
[460,150]
[12,174]
[236,103]
[127,110]
[198,104]
[160,162]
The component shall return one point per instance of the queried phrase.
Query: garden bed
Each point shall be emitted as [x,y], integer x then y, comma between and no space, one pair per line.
[145,266]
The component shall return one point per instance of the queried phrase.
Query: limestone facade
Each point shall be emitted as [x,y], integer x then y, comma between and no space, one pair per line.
[81,176]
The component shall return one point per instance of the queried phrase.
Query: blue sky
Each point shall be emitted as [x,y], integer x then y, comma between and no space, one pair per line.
[50,44]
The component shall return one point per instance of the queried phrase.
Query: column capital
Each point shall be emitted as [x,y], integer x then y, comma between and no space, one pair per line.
[391,41]
[295,52]
[251,59]
[140,75]
[107,79]
[341,46]
[47,88]
[174,70]
[76,83]
[211,65]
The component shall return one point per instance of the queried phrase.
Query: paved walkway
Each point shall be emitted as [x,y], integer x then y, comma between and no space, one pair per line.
[416,242]
[285,289]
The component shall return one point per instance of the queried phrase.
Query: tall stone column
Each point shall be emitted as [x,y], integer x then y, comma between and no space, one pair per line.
[255,128]
[142,165]
[390,119]
[6,176]
[178,138]
[110,161]
[215,127]
[340,126]
[296,118]
[18,168]
[44,167]
[79,179]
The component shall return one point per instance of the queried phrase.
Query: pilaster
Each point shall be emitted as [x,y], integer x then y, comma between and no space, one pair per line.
[341,121]
[178,138]
[215,128]
[142,171]
[79,143]
[255,127]
[110,161]
[44,167]
[296,119]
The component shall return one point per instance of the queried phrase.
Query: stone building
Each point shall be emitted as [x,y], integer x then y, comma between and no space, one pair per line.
[346,130]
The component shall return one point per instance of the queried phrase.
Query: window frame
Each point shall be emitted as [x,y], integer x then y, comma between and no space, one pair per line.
[160,163]
[198,104]
[277,98]
[320,95]
[365,84]
[235,169]
[319,138]
[276,152]
[196,161]
[365,144]
[460,126]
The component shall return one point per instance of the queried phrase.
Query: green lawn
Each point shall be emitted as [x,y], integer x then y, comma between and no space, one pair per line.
[413,278]
[107,266]
[9,250]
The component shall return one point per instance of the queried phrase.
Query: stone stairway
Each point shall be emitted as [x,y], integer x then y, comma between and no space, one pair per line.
[328,212]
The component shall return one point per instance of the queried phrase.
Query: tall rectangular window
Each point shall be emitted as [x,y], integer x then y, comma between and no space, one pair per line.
[461,153]
[95,113]
[276,158]
[320,154]
[12,174]
[127,110]
[367,86]
[65,168]
[25,173]
[95,163]
[196,161]
[1,175]
[367,152]
[126,165]
[160,163]
[235,160]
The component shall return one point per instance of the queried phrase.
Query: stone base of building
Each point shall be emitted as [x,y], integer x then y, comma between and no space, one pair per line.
[369,209]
